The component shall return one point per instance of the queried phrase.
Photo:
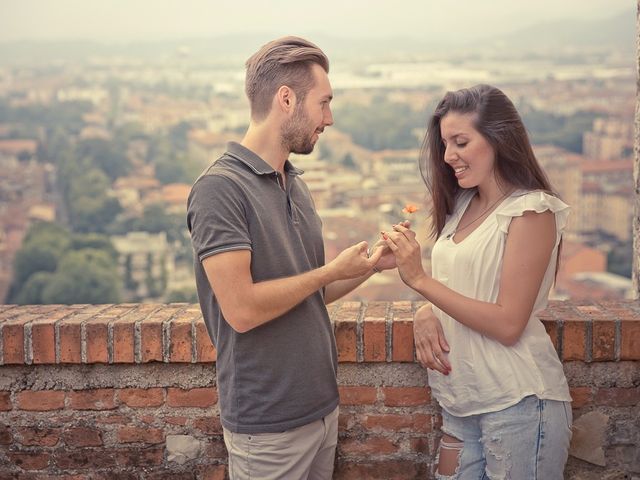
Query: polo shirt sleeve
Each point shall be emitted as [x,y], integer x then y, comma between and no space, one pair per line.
[216,217]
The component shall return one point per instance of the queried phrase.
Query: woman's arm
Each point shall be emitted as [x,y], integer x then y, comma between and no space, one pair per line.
[529,245]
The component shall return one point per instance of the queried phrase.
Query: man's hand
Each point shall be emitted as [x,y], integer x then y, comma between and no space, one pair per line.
[353,262]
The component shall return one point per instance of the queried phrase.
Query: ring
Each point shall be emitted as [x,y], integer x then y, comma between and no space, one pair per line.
[368,252]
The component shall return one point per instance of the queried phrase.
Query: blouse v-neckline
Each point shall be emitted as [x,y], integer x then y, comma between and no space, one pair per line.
[479,226]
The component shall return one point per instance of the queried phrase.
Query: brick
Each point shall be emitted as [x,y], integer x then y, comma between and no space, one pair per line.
[70,331]
[375,340]
[140,457]
[40,400]
[630,340]
[38,437]
[141,397]
[113,419]
[215,449]
[84,458]
[208,425]
[13,341]
[357,395]
[212,472]
[376,310]
[205,351]
[83,437]
[581,396]
[419,445]
[573,340]
[140,435]
[603,340]
[30,460]
[151,340]
[374,446]
[402,341]
[177,420]
[347,312]
[618,397]
[97,340]
[5,401]
[382,470]
[405,396]
[98,399]
[346,341]
[123,341]
[6,437]
[43,342]
[180,340]
[196,397]
[420,423]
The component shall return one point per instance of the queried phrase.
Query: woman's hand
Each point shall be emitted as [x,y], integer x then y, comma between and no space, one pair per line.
[388,259]
[403,244]
[432,348]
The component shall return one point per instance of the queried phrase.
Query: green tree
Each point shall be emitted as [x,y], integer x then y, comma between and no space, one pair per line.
[31,292]
[105,155]
[84,276]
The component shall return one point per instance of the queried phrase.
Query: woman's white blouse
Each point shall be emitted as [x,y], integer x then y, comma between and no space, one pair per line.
[487,376]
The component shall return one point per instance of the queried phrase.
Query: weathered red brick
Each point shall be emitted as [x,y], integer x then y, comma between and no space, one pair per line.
[13,339]
[180,344]
[376,310]
[140,457]
[603,340]
[38,437]
[98,399]
[581,396]
[373,446]
[97,340]
[40,400]
[402,340]
[70,330]
[5,401]
[113,419]
[375,339]
[208,425]
[573,340]
[420,423]
[123,340]
[84,458]
[618,397]
[140,435]
[630,340]
[347,312]
[405,396]
[43,342]
[30,460]
[205,351]
[6,437]
[141,397]
[357,395]
[382,470]
[346,340]
[195,397]
[177,420]
[212,472]
[83,437]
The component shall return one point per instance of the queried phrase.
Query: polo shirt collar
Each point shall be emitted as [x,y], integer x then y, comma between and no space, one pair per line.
[255,163]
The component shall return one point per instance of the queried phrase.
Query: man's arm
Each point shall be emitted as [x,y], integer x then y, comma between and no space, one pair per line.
[246,305]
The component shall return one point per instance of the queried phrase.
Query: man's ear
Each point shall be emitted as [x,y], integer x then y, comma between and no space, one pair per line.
[286,99]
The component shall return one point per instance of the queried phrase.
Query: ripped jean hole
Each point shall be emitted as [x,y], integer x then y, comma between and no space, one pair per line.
[444,445]
[497,458]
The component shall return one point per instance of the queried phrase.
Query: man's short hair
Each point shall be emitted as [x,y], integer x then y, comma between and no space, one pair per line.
[285,61]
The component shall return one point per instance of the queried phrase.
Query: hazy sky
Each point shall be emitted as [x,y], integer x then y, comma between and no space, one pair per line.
[125,20]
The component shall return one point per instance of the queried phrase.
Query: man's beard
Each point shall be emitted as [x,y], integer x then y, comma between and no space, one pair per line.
[295,135]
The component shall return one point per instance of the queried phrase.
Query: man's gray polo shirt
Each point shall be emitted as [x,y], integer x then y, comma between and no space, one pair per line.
[282,374]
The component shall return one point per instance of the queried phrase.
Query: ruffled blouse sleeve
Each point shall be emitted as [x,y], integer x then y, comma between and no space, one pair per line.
[537,201]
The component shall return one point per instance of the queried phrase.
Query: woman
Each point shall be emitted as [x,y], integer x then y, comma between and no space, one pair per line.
[492,367]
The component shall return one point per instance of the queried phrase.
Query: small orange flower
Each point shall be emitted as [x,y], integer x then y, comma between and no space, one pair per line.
[410,208]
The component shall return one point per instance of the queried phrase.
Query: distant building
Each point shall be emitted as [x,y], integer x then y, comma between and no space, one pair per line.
[610,139]
[146,262]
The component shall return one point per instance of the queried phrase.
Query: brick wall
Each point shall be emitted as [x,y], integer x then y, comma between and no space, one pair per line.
[128,392]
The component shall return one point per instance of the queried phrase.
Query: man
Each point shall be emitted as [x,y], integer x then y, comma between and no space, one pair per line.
[262,279]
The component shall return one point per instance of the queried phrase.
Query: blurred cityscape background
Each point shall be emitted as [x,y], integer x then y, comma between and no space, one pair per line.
[107,116]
